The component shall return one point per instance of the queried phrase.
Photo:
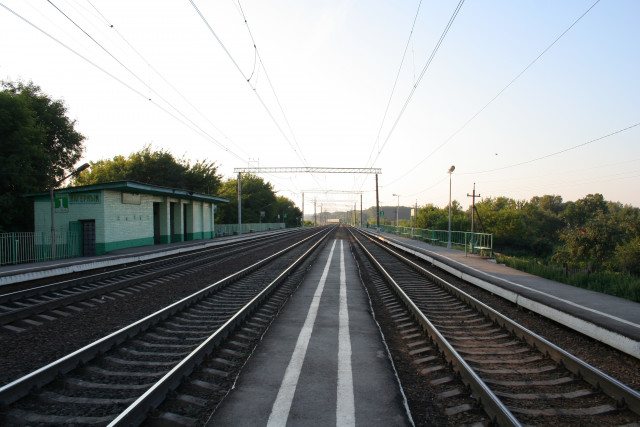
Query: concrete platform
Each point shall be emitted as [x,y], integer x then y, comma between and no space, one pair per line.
[321,360]
[612,320]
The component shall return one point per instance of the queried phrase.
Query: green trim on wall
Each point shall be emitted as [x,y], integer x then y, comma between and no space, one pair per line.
[102,248]
[164,239]
[177,238]
[195,236]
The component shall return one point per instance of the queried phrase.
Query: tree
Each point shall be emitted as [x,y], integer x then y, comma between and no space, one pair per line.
[578,213]
[592,233]
[505,219]
[38,147]
[434,218]
[627,256]
[543,224]
[157,168]
[287,212]
[257,196]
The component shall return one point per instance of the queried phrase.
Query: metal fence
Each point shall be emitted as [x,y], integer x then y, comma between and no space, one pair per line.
[470,242]
[231,229]
[19,248]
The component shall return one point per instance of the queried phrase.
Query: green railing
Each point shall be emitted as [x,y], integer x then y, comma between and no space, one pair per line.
[20,248]
[231,229]
[470,242]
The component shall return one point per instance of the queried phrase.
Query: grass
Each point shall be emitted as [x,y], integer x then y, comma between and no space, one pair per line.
[620,285]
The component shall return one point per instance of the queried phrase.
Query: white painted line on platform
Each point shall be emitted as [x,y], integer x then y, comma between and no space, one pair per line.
[345,409]
[284,399]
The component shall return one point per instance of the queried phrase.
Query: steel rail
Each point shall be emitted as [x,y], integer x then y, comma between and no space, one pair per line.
[176,265]
[623,394]
[494,407]
[64,284]
[138,410]
[20,387]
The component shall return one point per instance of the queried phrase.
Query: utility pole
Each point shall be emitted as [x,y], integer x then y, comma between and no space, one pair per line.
[315,215]
[360,209]
[239,202]
[415,218]
[302,224]
[473,209]
[377,205]
[354,214]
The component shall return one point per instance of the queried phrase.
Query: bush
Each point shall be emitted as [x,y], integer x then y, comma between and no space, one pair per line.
[620,285]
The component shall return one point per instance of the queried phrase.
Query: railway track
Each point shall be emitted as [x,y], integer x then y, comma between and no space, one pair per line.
[121,377]
[471,355]
[32,305]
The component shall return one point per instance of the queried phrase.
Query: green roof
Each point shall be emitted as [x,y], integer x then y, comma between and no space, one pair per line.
[136,187]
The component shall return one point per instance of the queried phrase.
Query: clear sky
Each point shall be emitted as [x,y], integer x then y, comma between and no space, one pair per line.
[516,96]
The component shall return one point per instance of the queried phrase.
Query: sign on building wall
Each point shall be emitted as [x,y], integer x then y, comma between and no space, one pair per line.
[61,203]
[84,198]
[131,199]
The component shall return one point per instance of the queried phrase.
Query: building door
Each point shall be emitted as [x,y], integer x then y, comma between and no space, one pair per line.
[184,227]
[172,223]
[156,223]
[88,237]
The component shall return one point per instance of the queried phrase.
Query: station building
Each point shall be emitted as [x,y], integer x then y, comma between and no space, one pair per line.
[124,214]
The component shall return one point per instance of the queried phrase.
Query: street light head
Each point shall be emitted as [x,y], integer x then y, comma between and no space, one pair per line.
[451,169]
[83,167]
[395,195]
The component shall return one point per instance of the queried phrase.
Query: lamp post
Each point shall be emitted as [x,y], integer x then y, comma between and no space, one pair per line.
[397,208]
[53,227]
[450,171]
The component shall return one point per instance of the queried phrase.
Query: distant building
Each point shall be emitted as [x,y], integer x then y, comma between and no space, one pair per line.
[333,221]
[122,214]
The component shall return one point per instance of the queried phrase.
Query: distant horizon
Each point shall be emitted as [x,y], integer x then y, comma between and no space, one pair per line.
[390,209]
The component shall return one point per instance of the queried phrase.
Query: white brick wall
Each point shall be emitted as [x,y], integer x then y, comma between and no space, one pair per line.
[128,221]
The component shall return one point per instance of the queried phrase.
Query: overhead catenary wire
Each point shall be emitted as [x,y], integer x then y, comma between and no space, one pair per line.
[244,76]
[511,82]
[574,147]
[395,83]
[264,69]
[546,156]
[180,113]
[266,74]
[420,77]
[131,88]
[164,79]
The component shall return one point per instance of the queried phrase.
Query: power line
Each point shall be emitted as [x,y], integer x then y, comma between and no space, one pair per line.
[428,188]
[259,57]
[75,52]
[384,117]
[555,153]
[253,89]
[284,115]
[446,141]
[111,26]
[203,132]
[131,88]
[422,73]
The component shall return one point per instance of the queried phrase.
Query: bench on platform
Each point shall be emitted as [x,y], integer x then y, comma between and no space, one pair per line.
[483,248]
